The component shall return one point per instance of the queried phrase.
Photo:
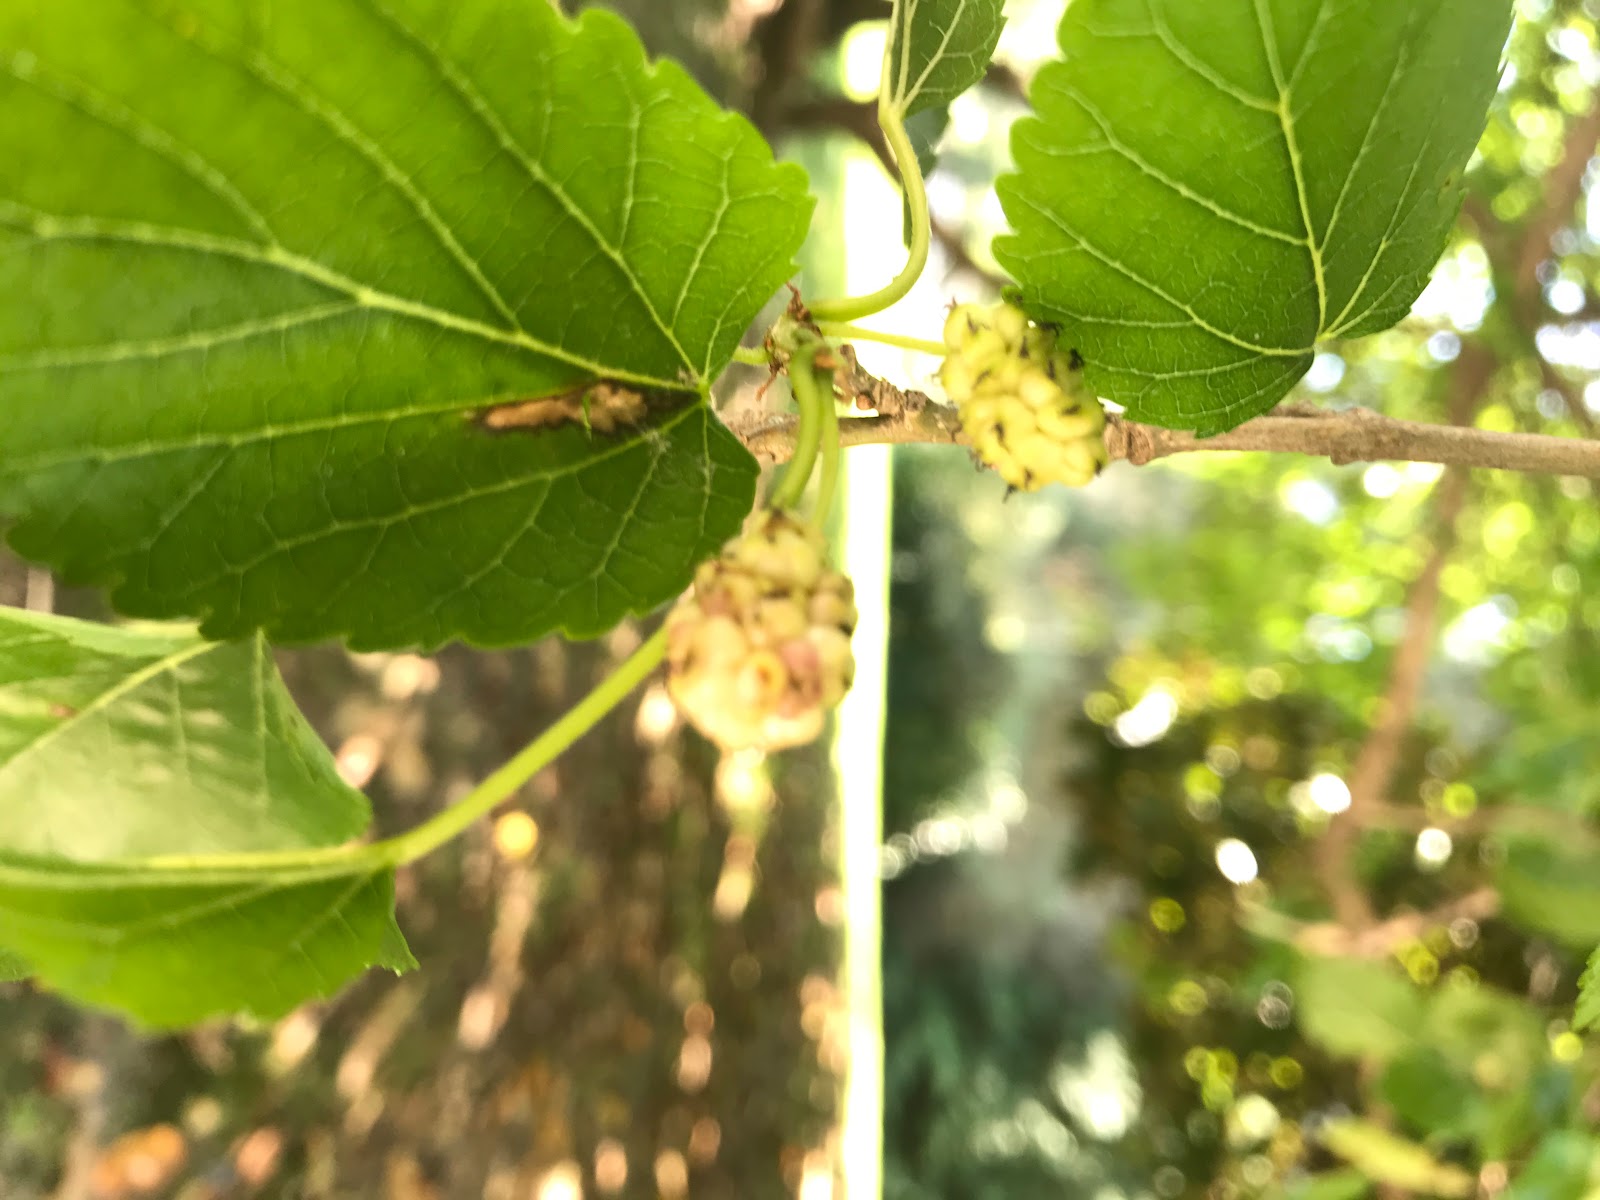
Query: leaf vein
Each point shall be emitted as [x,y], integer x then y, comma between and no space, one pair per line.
[1176,186]
[1198,66]
[187,343]
[58,228]
[1366,145]
[111,695]
[114,115]
[323,110]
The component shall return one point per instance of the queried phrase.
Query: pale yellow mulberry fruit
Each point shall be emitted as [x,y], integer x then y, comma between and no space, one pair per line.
[758,650]
[1021,399]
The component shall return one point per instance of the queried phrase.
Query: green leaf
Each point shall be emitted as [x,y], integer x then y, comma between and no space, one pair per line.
[245,382]
[12,968]
[172,833]
[1386,1158]
[171,947]
[1295,183]
[1587,1013]
[1333,1185]
[1551,892]
[1352,1008]
[135,743]
[1495,1035]
[1494,1042]
[1566,1165]
[938,49]
[1426,1092]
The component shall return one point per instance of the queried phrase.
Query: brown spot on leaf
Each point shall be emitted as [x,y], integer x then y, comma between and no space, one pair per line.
[603,407]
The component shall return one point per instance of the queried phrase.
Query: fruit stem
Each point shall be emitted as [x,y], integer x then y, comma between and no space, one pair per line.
[808,438]
[845,332]
[529,761]
[753,356]
[820,386]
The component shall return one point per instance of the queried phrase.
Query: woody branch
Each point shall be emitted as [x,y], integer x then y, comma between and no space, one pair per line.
[1342,436]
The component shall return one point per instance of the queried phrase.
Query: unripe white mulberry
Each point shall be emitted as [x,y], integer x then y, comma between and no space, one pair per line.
[758,650]
[1021,400]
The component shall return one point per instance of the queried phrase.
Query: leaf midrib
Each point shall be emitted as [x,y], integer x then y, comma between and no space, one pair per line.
[1291,143]
[287,868]
[1281,108]
[232,442]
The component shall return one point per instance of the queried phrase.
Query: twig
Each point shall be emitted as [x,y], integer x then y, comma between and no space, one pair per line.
[860,119]
[1521,259]
[772,441]
[1372,772]
[88,1084]
[1347,436]
[1515,819]
[955,249]
[1379,756]
[1333,939]
[1360,435]
[784,41]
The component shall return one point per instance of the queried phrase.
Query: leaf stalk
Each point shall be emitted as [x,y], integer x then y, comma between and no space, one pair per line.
[845,332]
[529,761]
[808,433]
[893,123]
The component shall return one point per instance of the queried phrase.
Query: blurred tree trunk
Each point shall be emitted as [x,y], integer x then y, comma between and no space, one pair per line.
[585,1007]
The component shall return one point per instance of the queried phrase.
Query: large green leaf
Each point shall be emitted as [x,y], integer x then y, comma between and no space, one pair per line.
[172,834]
[1210,190]
[938,49]
[263,266]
